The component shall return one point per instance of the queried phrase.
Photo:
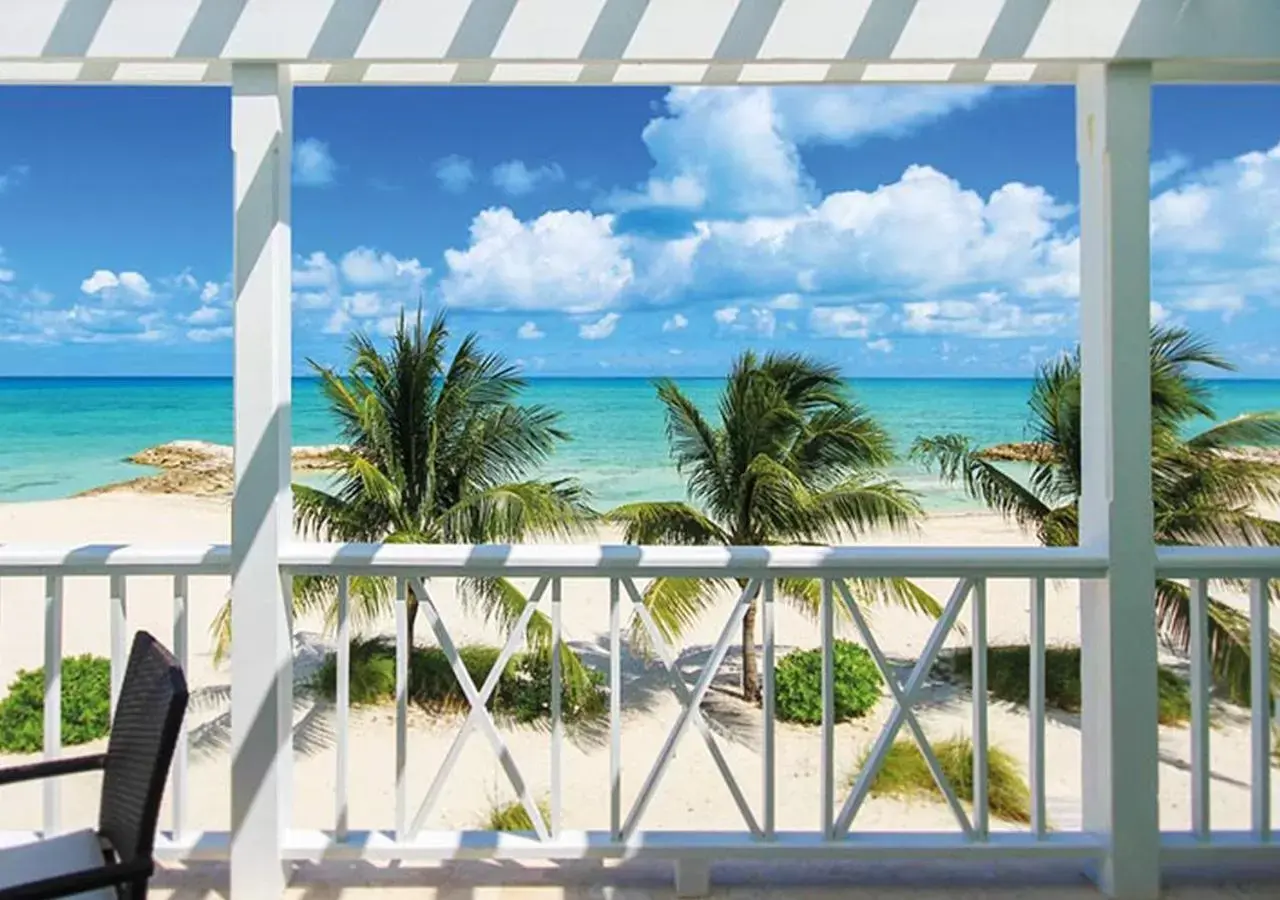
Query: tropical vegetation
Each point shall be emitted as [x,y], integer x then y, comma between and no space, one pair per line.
[1205,492]
[790,458]
[437,448]
[86,705]
[856,681]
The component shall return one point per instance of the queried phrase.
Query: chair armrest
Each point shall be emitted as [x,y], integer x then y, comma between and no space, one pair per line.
[77,882]
[51,768]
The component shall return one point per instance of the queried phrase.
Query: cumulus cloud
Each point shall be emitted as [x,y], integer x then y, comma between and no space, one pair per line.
[563,260]
[364,267]
[845,321]
[599,329]
[881,345]
[515,178]
[736,151]
[208,335]
[128,286]
[786,301]
[455,173]
[726,315]
[676,323]
[989,315]
[530,331]
[313,165]
[1167,167]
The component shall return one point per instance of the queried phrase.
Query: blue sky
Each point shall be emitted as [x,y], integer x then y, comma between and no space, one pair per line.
[612,231]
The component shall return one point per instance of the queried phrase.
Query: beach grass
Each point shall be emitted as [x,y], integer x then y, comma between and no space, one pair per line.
[523,691]
[1009,679]
[513,816]
[905,774]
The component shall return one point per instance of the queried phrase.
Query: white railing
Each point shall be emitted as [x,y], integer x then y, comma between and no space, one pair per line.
[620,568]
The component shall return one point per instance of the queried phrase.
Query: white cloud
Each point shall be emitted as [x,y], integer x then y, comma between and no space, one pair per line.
[735,151]
[515,178]
[1164,169]
[210,292]
[726,315]
[923,235]
[763,321]
[1159,314]
[530,331]
[313,165]
[364,267]
[676,323]
[207,335]
[989,315]
[130,286]
[845,321]
[567,261]
[881,345]
[454,173]
[786,301]
[601,328]
[206,315]
[1214,299]
[12,176]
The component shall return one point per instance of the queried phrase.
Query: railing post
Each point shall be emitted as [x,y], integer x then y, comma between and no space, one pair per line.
[262,657]
[1117,617]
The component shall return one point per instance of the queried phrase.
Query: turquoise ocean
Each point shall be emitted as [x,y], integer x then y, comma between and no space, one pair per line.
[61,436]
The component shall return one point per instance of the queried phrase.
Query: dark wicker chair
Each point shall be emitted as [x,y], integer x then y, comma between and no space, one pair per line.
[116,859]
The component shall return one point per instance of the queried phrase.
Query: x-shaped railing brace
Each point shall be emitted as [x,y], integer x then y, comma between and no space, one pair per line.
[478,700]
[691,703]
[905,696]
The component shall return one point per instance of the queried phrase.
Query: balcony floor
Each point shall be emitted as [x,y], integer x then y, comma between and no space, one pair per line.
[653,881]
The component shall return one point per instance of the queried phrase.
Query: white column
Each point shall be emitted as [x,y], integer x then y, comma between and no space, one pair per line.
[1117,617]
[262,659]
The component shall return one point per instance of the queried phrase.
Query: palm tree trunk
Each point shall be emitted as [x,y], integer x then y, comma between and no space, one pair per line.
[411,610]
[750,673]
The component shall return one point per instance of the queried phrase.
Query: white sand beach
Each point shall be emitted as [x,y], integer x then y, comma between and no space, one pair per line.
[691,794]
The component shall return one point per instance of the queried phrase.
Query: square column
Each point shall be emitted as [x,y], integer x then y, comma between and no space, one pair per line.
[1117,614]
[261,602]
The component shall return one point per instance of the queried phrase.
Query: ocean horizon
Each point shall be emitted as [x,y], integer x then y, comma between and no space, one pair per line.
[63,435]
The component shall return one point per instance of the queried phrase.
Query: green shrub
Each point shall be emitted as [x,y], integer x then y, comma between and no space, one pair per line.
[798,684]
[523,690]
[514,817]
[906,774]
[86,705]
[1009,679]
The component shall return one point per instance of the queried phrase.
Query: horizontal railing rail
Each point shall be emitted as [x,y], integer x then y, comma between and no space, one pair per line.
[622,571]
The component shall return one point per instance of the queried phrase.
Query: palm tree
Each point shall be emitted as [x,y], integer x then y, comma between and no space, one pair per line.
[793,460]
[436,450]
[1203,492]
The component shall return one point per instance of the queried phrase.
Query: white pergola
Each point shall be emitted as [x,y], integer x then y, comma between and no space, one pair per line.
[1111,50]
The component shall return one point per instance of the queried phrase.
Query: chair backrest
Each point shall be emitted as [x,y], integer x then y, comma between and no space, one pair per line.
[144,732]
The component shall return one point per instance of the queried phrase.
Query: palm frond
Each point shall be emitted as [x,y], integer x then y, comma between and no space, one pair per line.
[665,522]
[958,461]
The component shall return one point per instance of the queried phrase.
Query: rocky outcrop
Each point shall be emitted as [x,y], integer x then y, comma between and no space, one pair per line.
[1024,451]
[203,469]
[1034,452]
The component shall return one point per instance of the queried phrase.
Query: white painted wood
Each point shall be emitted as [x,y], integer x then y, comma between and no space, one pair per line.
[477,699]
[119,635]
[557,716]
[691,703]
[115,559]
[905,701]
[689,709]
[52,700]
[769,760]
[1201,684]
[615,710]
[693,877]
[827,751]
[1117,626]
[978,682]
[905,696]
[1260,704]
[181,652]
[404,646]
[1217,562]
[630,561]
[342,756]
[150,35]
[1036,712]
[261,608]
